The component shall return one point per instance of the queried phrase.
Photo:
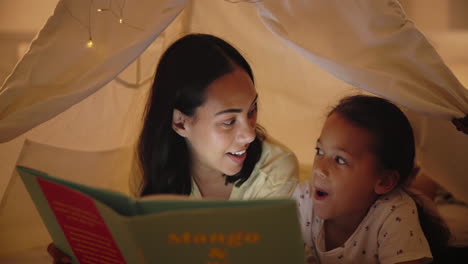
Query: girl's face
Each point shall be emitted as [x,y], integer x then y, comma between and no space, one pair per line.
[345,171]
[220,131]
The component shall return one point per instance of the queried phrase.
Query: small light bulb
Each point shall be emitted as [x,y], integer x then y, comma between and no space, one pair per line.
[90,43]
[121,21]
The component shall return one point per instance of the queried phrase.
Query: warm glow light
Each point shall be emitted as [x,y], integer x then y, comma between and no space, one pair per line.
[119,16]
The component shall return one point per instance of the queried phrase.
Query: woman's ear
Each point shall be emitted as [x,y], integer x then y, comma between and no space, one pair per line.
[387,181]
[179,121]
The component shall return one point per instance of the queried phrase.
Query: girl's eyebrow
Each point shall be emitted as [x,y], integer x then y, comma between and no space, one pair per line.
[236,110]
[339,149]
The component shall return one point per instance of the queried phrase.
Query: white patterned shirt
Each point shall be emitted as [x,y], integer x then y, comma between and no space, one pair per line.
[389,233]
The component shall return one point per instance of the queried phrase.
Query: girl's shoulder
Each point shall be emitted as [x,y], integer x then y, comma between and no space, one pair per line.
[303,191]
[396,226]
[397,197]
[395,203]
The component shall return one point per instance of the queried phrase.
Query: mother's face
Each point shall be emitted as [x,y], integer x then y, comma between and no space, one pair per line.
[220,131]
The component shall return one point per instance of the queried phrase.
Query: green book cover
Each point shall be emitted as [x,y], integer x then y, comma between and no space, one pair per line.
[94,225]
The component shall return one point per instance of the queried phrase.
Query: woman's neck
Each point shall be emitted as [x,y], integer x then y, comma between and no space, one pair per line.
[211,184]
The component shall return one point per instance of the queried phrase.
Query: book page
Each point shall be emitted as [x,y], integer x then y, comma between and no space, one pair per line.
[82,224]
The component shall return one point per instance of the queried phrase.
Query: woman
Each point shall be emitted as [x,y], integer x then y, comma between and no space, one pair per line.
[200,135]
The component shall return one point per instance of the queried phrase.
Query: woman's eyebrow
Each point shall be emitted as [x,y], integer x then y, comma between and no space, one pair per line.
[236,110]
[231,110]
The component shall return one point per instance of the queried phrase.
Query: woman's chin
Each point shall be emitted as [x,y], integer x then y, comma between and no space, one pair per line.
[231,173]
[232,169]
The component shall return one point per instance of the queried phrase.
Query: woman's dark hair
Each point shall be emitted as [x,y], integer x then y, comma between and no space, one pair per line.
[394,147]
[184,72]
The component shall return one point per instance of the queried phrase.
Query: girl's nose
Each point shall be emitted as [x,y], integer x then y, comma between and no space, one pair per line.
[320,167]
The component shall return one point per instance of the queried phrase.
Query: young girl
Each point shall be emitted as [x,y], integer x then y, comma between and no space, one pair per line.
[356,209]
[200,135]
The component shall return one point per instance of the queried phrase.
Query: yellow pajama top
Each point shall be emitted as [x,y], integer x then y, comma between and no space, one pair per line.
[275,175]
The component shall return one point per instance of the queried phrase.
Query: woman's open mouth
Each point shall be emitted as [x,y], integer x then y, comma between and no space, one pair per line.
[239,156]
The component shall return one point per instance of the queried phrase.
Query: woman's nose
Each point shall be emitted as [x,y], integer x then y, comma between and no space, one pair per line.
[247,133]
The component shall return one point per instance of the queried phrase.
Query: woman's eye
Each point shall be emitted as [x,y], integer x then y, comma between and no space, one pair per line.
[318,151]
[340,160]
[229,123]
[253,110]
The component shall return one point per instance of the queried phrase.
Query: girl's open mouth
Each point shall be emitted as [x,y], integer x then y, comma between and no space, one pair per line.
[320,194]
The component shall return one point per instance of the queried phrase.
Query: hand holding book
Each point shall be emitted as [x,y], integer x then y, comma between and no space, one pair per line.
[58,256]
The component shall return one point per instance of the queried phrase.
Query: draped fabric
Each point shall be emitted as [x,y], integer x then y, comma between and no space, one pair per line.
[369,44]
[60,70]
[372,45]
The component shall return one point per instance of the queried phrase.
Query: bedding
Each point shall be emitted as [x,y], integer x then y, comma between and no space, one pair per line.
[455,213]
[456,217]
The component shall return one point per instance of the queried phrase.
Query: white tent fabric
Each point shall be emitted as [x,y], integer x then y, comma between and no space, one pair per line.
[59,70]
[57,94]
[370,44]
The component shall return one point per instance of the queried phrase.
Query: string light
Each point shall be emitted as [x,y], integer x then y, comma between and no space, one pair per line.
[119,17]
[109,8]
[90,43]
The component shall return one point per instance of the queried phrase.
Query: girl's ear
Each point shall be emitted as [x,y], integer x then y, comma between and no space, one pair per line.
[179,122]
[387,181]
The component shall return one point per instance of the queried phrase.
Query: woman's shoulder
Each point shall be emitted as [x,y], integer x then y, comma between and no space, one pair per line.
[273,149]
[276,156]
[275,175]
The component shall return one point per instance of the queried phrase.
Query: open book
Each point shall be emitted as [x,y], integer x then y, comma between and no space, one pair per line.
[94,225]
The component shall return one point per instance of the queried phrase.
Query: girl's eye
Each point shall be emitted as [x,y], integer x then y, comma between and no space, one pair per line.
[340,160]
[318,151]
